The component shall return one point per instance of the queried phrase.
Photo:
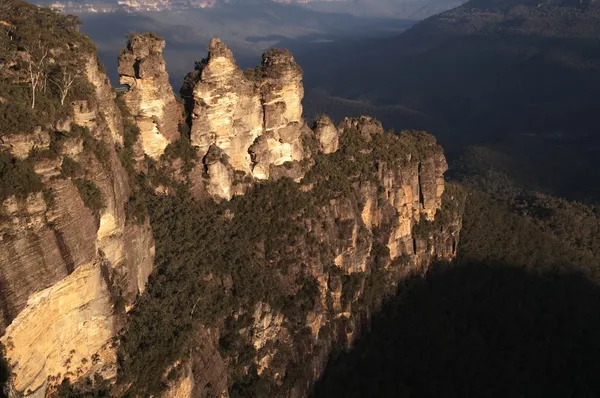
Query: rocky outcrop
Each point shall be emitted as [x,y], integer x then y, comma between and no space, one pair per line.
[22,144]
[59,331]
[372,215]
[224,107]
[149,97]
[254,117]
[326,134]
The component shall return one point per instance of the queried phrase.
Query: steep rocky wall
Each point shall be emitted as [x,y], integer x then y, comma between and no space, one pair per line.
[369,220]
[374,235]
[73,259]
[68,271]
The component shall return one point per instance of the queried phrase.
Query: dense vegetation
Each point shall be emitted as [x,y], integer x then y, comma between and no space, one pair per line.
[91,196]
[515,316]
[477,329]
[17,177]
[520,107]
[42,60]
[41,64]
[215,262]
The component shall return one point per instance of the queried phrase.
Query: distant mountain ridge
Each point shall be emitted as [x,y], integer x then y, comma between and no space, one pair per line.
[493,65]
[408,9]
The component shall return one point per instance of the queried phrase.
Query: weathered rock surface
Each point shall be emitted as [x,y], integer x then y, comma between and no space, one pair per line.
[254,117]
[327,134]
[150,97]
[21,145]
[66,273]
[60,330]
[373,236]
[224,107]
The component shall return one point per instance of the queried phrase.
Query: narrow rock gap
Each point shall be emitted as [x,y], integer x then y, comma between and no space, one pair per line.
[7,316]
[63,249]
[136,68]
[421,198]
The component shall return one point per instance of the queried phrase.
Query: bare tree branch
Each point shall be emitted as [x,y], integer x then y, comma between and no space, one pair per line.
[37,60]
[64,84]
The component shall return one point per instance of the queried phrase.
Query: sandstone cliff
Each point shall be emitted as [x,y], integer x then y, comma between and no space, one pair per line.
[295,269]
[274,241]
[70,263]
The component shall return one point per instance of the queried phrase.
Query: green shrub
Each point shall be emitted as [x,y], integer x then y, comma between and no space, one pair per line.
[184,150]
[99,388]
[136,208]
[91,195]
[97,147]
[17,177]
[70,167]
[54,45]
[16,115]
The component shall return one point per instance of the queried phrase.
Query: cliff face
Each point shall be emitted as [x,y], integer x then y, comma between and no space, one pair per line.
[70,263]
[293,235]
[288,271]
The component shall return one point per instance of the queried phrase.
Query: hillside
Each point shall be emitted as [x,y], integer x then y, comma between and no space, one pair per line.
[404,9]
[510,317]
[213,245]
[520,68]
[514,77]
[216,244]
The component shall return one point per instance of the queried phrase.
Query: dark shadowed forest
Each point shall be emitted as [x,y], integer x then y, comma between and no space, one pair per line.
[516,315]
[477,330]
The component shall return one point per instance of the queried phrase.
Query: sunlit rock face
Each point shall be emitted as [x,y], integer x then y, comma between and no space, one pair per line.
[149,97]
[59,331]
[224,106]
[327,134]
[369,232]
[254,117]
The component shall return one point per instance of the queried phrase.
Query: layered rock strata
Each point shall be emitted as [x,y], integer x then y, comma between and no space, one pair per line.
[68,273]
[362,233]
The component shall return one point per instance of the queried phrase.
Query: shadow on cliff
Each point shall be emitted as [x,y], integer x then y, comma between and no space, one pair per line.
[4,374]
[477,330]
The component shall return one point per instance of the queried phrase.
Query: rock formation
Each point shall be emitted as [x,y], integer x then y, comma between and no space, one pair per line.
[150,97]
[371,227]
[76,250]
[254,117]
[327,134]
